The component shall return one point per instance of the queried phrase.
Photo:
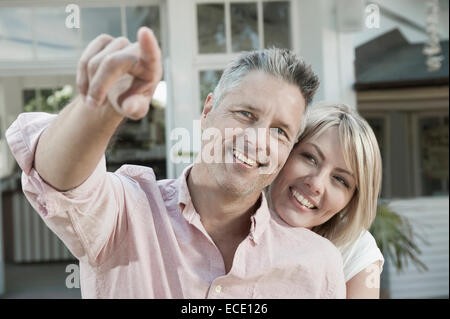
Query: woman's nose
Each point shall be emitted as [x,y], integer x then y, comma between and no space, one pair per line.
[316,184]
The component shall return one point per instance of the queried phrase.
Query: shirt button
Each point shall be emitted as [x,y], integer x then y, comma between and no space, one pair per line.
[218,289]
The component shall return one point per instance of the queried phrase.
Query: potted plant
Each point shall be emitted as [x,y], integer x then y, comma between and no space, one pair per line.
[397,241]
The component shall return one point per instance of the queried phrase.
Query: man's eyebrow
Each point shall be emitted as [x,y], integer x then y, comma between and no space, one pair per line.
[251,108]
[323,157]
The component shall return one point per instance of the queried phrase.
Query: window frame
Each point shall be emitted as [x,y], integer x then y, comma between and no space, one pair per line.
[68,65]
[386,154]
[219,61]
[416,147]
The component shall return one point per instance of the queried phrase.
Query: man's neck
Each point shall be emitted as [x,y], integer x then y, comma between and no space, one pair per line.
[222,214]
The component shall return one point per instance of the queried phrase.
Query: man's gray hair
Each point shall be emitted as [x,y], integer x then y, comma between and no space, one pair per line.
[281,63]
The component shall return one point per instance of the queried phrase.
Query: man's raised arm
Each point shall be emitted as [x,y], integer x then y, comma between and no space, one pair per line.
[115,79]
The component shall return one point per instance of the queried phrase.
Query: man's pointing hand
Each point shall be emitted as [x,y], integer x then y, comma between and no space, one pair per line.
[123,75]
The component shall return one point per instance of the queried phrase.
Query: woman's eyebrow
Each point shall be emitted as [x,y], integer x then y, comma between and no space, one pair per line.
[322,157]
[344,171]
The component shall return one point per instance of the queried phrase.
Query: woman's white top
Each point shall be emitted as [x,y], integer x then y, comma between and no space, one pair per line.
[360,254]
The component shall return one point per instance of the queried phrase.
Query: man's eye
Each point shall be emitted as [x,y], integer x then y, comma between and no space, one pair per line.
[281,131]
[246,114]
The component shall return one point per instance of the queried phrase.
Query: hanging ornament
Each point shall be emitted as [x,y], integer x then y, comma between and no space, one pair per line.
[433,46]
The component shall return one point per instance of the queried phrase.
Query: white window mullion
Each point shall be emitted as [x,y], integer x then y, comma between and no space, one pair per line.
[260,18]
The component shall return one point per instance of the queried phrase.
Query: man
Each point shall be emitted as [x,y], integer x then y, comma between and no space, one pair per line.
[207,234]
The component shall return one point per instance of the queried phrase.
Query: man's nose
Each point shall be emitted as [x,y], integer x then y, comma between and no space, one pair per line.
[257,137]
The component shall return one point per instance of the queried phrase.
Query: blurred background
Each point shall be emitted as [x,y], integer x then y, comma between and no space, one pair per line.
[389,59]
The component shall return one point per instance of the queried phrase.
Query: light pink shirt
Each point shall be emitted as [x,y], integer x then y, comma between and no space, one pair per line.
[136,237]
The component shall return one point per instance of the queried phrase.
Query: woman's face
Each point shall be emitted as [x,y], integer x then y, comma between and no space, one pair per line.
[315,184]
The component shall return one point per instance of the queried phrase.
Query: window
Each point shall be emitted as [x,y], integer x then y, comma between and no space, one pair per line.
[232,27]
[50,44]
[277,31]
[16,36]
[50,100]
[140,16]
[414,149]
[40,33]
[433,155]
[211,28]
[378,123]
[208,81]
[244,27]
[95,21]
[226,28]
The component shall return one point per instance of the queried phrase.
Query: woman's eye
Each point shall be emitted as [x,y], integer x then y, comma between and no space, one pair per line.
[310,158]
[342,181]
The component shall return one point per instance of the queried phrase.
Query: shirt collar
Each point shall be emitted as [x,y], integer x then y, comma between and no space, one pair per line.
[184,197]
[259,220]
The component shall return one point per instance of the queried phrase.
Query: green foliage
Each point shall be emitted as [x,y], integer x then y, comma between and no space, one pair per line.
[396,238]
[52,103]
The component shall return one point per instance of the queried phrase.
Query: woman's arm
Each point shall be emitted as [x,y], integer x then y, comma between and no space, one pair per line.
[365,284]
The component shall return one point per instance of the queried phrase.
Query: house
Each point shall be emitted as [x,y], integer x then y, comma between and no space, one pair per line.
[407,106]
[40,46]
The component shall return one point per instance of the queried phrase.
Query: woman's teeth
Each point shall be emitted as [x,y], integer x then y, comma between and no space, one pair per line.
[244,159]
[302,200]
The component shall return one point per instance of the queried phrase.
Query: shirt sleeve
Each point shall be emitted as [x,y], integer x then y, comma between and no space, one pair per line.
[361,254]
[89,219]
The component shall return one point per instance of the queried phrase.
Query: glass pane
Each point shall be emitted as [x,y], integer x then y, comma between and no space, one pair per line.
[244,27]
[29,101]
[52,44]
[143,16]
[50,100]
[211,28]
[16,38]
[95,21]
[140,142]
[433,134]
[208,82]
[276,24]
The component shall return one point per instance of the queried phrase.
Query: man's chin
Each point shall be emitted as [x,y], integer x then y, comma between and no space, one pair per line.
[239,183]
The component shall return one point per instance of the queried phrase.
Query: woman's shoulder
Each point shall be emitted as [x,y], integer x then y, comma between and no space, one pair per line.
[360,253]
[364,244]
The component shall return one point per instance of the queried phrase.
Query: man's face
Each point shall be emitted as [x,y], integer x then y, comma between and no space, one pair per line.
[258,124]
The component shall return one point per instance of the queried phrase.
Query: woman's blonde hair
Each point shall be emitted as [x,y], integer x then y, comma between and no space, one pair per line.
[362,155]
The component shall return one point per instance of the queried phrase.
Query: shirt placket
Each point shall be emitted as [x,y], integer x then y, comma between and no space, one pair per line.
[219,280]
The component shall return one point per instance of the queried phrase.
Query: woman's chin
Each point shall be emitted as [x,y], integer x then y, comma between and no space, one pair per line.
[293,218]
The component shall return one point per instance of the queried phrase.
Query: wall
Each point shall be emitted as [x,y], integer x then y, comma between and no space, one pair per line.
[430,218]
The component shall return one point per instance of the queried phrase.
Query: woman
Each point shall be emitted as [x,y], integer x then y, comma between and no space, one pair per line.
[330,184]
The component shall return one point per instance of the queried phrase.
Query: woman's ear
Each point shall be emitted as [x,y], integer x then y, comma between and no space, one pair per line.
[207,108]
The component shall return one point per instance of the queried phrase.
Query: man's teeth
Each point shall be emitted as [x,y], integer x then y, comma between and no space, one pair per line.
[244,159]
[302,200]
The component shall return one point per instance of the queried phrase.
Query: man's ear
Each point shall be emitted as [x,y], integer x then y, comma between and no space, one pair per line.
[207,108]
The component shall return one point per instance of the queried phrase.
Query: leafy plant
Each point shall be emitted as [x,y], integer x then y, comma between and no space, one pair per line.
[396,238]
[51,103]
